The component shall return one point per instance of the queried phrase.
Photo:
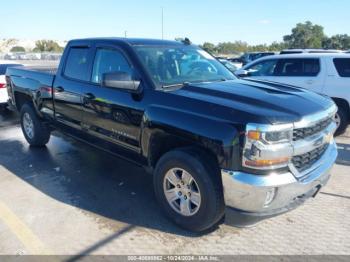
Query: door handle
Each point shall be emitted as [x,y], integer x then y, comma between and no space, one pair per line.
[59,89]
[89,96]
[309,82]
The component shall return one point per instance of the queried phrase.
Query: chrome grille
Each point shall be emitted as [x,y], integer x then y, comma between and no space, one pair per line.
[305,161]
[301,133]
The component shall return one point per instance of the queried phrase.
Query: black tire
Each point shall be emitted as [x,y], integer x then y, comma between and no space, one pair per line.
[344,121]
[206,175]
[3,109]
[41,133]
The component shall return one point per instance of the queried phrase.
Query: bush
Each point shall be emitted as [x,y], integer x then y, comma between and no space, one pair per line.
[16,49]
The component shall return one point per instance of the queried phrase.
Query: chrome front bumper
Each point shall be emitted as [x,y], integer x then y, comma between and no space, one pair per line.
[275,193]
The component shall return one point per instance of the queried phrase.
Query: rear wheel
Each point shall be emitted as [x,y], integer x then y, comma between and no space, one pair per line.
[189,190]
[342,121]
[35,132]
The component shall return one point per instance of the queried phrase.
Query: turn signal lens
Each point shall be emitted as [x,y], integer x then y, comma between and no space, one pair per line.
[254,135]
[264,163]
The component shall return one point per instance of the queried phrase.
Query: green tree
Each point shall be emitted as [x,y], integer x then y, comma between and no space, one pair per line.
[337,42]
[305,35]
[232,47]
[277,46]
[209,47]
[17,49]
[47,46]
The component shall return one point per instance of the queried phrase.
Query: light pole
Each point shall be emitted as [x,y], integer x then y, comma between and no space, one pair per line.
[162,23]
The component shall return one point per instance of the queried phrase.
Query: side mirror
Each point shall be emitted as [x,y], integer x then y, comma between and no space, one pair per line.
[242,73]
[120,80]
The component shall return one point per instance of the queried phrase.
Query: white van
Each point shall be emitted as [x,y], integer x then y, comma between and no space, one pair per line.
[327,73]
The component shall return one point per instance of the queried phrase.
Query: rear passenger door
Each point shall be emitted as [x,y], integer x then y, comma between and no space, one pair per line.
[301,72]
[69,84]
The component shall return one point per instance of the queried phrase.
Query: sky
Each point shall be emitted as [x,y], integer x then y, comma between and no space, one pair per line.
[253,21]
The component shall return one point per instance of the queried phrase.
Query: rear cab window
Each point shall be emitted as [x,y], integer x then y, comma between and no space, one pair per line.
[77,66]
[343,66]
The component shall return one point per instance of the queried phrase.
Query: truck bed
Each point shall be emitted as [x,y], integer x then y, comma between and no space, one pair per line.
[41,75]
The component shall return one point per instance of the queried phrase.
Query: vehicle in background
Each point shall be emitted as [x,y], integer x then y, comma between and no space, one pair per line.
[3,91]
[208,138]
[311,51]
[237,61]
[324,73]
[251,56]
[229,65]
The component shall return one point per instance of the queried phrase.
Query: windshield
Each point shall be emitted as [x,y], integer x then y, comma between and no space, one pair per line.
[173,65]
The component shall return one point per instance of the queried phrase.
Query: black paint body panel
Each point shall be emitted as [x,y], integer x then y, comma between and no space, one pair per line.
[211,116]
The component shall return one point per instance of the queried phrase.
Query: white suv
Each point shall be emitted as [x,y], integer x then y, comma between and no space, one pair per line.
[327,74]
[3,90]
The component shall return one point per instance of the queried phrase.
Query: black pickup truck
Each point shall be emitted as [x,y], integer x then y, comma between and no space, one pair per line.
[209,139]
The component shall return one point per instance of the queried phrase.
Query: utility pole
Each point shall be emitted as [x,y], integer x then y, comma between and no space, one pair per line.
[125,33]
[162,23]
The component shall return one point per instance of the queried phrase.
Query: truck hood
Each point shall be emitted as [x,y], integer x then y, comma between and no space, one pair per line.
[256,100]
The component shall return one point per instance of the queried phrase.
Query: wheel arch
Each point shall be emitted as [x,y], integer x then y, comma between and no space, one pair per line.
[344,104]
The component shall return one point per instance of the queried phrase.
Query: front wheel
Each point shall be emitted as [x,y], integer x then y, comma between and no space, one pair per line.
[189,190]
[35,132]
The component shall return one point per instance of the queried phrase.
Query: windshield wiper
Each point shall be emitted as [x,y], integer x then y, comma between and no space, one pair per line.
[194,82]
[175,85]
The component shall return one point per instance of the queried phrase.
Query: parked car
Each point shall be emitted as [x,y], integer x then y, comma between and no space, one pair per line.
[208,138]
[229,65]
[251,56]
[3,92]
[327,73]
[311,51]
[237,61]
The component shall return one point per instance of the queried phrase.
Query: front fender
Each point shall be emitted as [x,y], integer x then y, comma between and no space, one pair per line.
[220,137]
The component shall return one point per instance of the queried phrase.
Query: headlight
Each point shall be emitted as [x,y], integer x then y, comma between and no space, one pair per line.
[268,147]
[271,136]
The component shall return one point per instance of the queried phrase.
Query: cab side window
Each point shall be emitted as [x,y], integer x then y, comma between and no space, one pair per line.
[106,61]
[298,67]
[77,65]
[264,68]
[343,66]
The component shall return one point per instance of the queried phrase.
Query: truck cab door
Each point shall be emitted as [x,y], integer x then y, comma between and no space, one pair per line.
[112,114]
[69,84]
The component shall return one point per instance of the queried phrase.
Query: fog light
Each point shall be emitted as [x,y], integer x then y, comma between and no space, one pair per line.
[270,195]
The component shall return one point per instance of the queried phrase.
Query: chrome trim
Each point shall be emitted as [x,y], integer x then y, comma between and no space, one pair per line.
[312,142]
[310,120]
[249,192]
[289,148]
[269,128]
